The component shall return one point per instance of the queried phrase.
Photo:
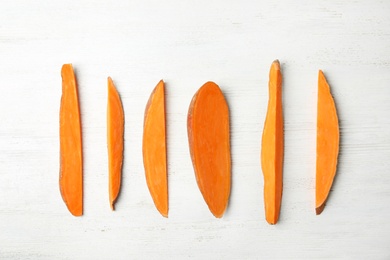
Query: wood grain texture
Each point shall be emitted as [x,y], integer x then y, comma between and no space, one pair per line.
[188,43]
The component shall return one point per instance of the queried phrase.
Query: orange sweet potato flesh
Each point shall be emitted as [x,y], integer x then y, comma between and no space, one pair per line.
[327,142]
[71,159]
[154,149]
[272,147]
[115,131]
[209,140]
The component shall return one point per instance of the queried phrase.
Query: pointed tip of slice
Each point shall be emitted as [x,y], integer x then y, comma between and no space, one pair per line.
[112,206]
[110,82]
[320,208]
[163,213]
[276,65]
[161,84]
[218,216]
[321,78]
[218,213]
[77,213]
[272,220]
[159,87]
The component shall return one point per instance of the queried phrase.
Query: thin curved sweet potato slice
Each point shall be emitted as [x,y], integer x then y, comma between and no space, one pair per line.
[154,149]
[209,140]
[272,147]
[327,142]
[71,159]
[115,131]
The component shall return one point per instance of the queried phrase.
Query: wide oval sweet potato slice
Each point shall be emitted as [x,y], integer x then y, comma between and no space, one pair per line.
[209,140]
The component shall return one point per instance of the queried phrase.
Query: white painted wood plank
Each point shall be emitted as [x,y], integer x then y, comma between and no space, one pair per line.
[188,43]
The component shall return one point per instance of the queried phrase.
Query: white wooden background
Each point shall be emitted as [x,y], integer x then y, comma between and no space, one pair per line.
[187,43]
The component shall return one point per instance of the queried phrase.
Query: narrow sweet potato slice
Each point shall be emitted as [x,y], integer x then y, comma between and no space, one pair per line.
[115,130]
[154,149]
[327,142]
[272,147]
[71,159]
[209,140]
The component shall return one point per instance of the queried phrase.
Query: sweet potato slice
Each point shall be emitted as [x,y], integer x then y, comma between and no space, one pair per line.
[327,142]
[209,140]
[154,149]
[115,130]
[71,159]
[272,147]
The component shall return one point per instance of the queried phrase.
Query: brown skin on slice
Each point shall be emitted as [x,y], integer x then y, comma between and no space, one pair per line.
[71,159]
[272,147]
[115,131]
[209,140]
[154,149]
[327,142]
